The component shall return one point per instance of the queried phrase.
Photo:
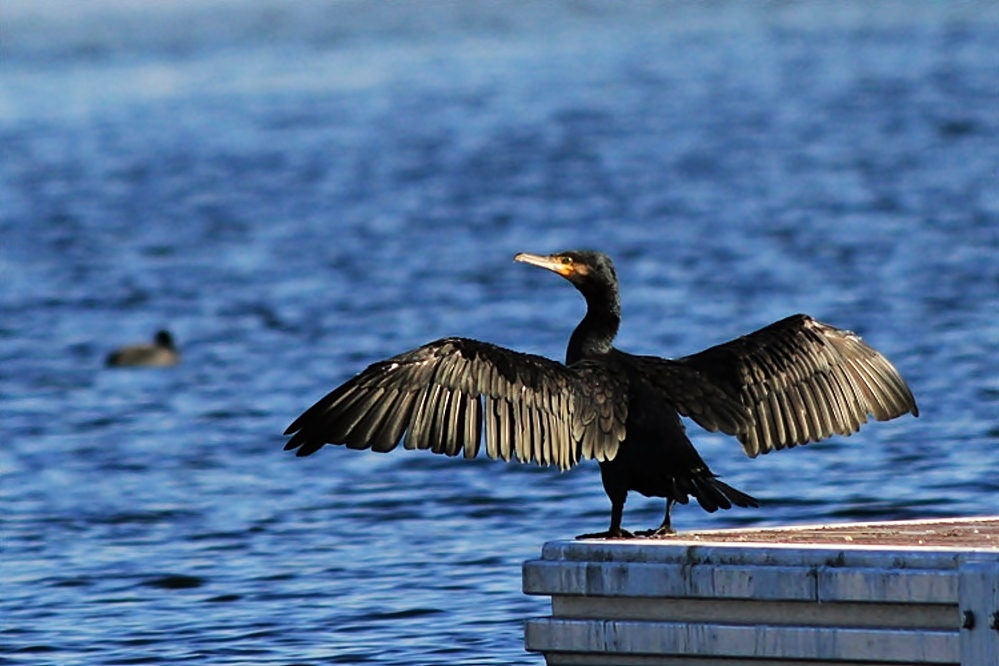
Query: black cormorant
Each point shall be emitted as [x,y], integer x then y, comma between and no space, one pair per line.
[793,382]
[161,353]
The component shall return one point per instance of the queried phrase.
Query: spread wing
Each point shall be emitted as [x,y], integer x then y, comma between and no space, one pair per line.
[797,380]
[443,395]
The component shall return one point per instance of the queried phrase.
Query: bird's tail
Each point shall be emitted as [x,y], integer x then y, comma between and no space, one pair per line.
[713,494]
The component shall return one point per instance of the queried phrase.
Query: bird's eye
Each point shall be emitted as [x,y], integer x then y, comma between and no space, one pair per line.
[566,260]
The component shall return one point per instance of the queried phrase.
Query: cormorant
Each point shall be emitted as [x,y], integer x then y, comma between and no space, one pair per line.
[793,382]
[161,353]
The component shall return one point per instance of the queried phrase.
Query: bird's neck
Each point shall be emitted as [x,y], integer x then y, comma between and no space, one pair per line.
[595,334]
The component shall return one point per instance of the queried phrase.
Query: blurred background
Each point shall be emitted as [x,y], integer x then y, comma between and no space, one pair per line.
[296,190]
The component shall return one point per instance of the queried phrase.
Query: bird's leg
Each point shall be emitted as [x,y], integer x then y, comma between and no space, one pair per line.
[615,531]
[666,528]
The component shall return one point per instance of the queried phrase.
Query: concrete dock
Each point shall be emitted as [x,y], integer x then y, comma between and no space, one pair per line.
[904,592]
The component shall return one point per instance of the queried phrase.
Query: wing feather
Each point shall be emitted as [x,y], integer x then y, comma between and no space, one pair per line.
[436,413]
[417,433]
[395,420]
[373,422]
[448,395]
[473,426]
[811,411]
[793,382]
[523,429]
[492,427]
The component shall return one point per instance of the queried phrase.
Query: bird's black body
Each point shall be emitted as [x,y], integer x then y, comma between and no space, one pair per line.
[656,458]
[791,383]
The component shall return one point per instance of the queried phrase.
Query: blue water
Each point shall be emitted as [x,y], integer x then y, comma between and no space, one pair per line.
[299,189]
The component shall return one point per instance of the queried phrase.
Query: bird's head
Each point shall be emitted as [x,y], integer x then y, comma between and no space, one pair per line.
[580,267]
[592,274]
[164,339]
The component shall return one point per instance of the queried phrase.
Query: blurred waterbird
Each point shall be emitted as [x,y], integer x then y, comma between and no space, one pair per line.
[159,354]
[793,382]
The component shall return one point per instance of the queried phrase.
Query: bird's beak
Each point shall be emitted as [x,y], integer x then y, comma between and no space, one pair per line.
[551,263]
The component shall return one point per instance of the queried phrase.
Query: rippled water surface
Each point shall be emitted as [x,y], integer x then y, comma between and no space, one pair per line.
[297,190]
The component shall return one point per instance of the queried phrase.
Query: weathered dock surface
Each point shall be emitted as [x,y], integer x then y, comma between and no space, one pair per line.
[904,592]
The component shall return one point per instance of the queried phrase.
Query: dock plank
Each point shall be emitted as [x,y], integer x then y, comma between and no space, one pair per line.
[761,642]
[924,586]
[669,580]
[739,611]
